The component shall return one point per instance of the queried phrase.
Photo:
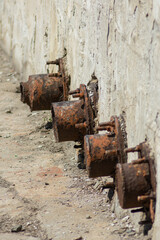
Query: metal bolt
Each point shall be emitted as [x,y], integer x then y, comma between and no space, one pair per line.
[57,61]
[74,91]
[78,95]
[135,149]
[110,123]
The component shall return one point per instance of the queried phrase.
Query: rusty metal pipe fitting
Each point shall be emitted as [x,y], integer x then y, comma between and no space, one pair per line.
[73,119]
[136,181]
[74,91]
[103,151]
[132,180]
[110,123]
[97,162]
[42,89]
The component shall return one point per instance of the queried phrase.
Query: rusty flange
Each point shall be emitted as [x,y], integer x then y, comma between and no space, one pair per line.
[73,119]
[136,181]
[43,89]
[104,151]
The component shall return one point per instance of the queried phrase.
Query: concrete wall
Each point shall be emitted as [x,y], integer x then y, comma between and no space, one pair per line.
[118,40]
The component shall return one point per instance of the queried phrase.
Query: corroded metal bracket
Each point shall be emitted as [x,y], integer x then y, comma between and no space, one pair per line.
[72,120]
[42,89]
[103,151]
[136,181]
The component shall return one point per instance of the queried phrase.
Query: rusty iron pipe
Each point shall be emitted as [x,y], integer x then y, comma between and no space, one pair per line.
[72,120]
[65,116]
[97,162]
[136,181]
[132,180]
[41,90]
[103,151]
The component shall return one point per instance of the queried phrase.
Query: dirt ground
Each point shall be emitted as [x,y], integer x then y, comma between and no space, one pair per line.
[43,195]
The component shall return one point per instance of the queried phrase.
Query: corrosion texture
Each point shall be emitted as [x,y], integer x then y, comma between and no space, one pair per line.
[132,180]
[73,119]
[104,151]
[136,181]
[42,89]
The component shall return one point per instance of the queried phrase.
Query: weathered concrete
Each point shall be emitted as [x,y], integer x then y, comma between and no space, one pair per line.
[118,40]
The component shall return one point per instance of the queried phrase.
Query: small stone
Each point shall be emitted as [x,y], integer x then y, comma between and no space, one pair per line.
[105,191]
[96,186]
[7,136]
[112,224]
[125,219]
[40,146]
[131,233]
[28,223]
[17,228]
[8,111]
[88,217]
[122,230]
[115,221]
[34,114]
